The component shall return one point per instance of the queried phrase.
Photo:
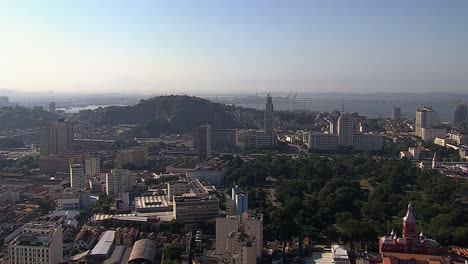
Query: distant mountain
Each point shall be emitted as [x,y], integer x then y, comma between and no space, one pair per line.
[22,117]
[174,114]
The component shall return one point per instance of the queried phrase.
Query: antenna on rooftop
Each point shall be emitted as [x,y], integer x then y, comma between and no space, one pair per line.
[342,106]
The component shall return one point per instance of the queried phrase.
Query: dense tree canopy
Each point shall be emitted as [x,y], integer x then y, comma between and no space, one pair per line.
[351,197]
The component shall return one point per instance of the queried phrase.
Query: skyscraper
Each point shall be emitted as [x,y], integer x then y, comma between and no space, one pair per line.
[425,117]
[396,113]
[204,142]
[56,138]
[269,123]
[345,130]
[461,114]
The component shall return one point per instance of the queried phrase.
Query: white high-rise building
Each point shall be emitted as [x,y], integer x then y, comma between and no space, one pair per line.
[117,181]
[40,242]
[93,167]
[77,176]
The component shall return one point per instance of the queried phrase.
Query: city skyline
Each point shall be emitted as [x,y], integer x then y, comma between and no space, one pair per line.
[217,46]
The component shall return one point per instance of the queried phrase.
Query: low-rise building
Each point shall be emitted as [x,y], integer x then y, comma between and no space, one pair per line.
[61,162]
[84,240]
[430,133]
[192,208]
[137,156]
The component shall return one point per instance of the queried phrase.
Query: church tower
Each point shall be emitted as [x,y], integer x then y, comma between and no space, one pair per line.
[409,225]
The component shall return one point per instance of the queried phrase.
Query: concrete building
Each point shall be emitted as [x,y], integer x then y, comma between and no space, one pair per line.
[430,133]
[270,139]
[345,130]
[61,162]
[56,138]
[92,167]
[72,199]
[193,209]
[52,107]
[204,142]
[460,116]
[249,223]
[221,140]
[177,188]
[459,137]
[93,144]
[137,156]
[240,248]
[117,181]
[77,176]
[345,136]
[258,139]
[396,113]
[213,173]
[425,117]
[40,242]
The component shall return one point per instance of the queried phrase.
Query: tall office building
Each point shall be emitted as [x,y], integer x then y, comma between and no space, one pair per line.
[396,113]
[345,130]
[461,114]
[204,142]
[270,139]
[92,167]
[52,107]
[56,138]
[77,176]
[39,242]
[425,117]
[117,181]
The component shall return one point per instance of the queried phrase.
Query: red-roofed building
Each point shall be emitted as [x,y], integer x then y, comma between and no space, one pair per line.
[409,242]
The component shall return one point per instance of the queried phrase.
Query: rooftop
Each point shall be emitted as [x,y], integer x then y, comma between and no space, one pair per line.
[104,244]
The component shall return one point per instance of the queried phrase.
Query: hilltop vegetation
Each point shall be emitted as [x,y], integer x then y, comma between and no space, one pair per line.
[352,198]
[22,117]
[174,114]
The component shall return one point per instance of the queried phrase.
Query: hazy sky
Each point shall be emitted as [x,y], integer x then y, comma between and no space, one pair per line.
[198,46]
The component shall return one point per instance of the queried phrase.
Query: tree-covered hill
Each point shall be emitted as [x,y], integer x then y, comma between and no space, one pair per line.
[22,117]
[176,114]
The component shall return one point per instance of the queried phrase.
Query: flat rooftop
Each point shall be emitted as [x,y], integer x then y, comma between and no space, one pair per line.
[104,244]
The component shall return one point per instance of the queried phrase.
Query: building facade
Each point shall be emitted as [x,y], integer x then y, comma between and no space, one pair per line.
[193,209]
[137,156]
[117,181]
[56,138]
[40,242]
[460,116]
[425,117]
[77,176]
[92,167]
[204,142]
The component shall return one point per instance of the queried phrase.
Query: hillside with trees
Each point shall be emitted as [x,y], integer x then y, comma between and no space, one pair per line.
[351,198]
[19,117]
[174,114]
